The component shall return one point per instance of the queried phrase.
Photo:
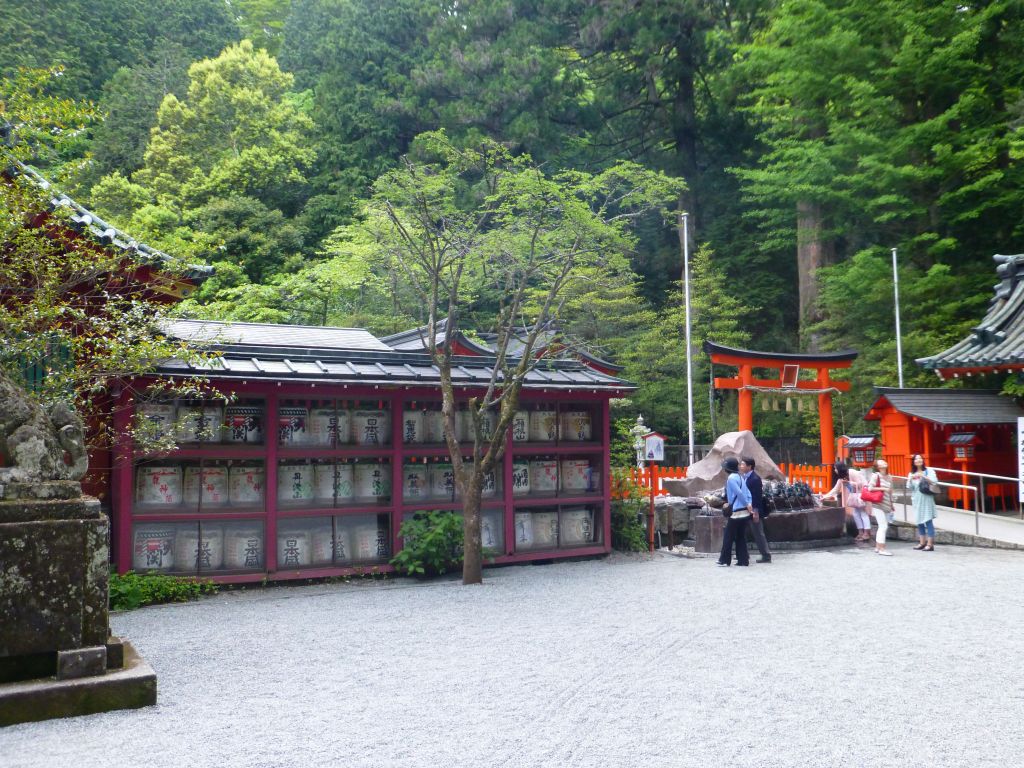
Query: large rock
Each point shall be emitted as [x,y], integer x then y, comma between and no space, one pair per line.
[680,510]
[707,474]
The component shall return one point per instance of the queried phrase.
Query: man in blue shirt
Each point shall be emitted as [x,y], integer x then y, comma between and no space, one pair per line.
[739,509]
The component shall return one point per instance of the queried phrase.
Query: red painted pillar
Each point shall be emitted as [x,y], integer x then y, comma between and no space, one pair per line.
[746,409]
[828,438]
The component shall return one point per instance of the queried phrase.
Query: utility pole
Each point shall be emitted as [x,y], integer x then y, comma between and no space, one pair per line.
[899,341]
[689,362]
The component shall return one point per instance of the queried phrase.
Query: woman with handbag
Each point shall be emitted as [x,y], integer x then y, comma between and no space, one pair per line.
[848,486]
[878,498]
[923,485]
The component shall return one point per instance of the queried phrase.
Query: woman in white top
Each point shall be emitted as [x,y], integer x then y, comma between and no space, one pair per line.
[880,481]
[848,488]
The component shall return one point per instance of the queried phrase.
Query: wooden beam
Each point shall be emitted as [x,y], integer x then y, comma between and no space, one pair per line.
[735,383]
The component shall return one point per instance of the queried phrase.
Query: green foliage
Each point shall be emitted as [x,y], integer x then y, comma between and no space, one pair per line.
[431,544]
[134,590]
[628,532]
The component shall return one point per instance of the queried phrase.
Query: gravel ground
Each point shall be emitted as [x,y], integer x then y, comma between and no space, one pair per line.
[828,658]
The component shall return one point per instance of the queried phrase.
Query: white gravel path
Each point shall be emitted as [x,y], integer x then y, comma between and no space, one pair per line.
[828,658]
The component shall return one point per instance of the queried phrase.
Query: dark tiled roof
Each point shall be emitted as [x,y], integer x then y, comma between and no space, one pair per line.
[295,353]
[796,357]
[998,341]
[951,406]
[88,223]
[414,340]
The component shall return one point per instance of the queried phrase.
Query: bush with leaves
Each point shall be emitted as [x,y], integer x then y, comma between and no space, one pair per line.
[134,590]
[628,532]
[432,544]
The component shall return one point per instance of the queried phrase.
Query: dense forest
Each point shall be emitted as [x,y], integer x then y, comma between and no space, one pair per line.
[813,136]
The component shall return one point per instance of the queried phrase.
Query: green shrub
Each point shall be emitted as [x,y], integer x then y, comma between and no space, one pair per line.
[628,532]
[133,590]
[432,544]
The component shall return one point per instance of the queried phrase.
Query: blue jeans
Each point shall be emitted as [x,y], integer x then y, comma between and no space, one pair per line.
[927,528]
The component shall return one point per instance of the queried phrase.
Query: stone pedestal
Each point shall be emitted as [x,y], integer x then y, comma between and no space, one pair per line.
[53,607]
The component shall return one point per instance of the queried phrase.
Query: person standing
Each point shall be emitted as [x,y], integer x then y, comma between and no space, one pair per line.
[922,476]
[848,486]
[738,509]
[756,488]
[882,510]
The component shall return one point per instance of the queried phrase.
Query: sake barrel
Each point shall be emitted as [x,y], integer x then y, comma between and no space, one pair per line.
[413,427]
[199,424]
[291,425]
[543,476]
[576,426]
[294,482]
[157,419]
[415,482]
[243,424]
[323,545]
[520,427]
[520,478]
[543,426]
[370,541]
[575,475]
[492,532]
[293,548]
[342,542]
[324,482]
[371,428]
[433,426]
[327,426]
[206,485]
[545,529]
[524,530]
[158,485]
[576,526]
[243,547]
[489,487]
[372,481]
[245,485]
[153,548]
[343,483]
[442,481]
[195,551]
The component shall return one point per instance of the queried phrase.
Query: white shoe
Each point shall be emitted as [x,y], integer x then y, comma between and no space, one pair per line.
[883,552]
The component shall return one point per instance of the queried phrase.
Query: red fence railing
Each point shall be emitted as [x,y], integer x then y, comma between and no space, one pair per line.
[817,476]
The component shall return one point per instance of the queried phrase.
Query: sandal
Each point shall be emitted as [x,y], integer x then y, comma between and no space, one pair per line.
[920,546]
[929,549]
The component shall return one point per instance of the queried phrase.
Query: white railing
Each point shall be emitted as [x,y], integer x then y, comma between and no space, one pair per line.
[980,496]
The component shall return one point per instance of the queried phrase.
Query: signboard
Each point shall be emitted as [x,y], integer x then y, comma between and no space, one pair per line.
[654,447]
[1020,458]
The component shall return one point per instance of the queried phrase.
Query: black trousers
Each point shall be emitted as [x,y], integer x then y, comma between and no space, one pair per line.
[735,533]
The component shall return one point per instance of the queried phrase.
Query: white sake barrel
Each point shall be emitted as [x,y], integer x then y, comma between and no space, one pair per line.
[489,487]
[243,547]
[323,545]
[576,526]
[195,552]
[344,483]
[465,423]
[159,418]
[543,426]
[415,482]
[245,485]
[292,427]
[520,427]
[413,427]
[153,548]
[342,543]
[370,542]
[294,482]
[158,486]
[524,530]
[433,426]
[293,548]
[575,475]
[576,426]
[199,424]
[372,481]
[545,529]
[442,481]
[324,482]
[492,532]
[520,478]
[371,428]
[543,476]
[327,426]
[206,485]
[243,424]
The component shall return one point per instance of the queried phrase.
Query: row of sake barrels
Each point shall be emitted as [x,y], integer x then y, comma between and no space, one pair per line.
[301,544]
[203,423]
[214,484]
[549,475]
[546,529]
[526,426]
[437,481]
[167,547]
[331,426]
[299,482]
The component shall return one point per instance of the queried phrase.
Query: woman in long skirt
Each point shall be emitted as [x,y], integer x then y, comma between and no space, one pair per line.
[923,503]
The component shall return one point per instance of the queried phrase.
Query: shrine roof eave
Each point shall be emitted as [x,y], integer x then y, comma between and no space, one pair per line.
[727,355]
[947,407]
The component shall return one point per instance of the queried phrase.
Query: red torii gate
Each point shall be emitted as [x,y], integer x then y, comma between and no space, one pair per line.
[787,366]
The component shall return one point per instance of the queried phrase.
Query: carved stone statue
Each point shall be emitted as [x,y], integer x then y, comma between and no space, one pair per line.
[37,446]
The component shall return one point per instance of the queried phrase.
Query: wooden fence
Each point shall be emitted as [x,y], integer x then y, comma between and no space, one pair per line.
[817,476]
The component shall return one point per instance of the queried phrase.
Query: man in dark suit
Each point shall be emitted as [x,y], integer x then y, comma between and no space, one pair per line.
[753,481]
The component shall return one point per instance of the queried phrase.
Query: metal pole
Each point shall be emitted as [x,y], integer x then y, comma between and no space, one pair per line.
[689,362]
[899,341]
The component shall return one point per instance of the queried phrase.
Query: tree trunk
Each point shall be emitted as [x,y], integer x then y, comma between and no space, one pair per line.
[472,563]
[812,252]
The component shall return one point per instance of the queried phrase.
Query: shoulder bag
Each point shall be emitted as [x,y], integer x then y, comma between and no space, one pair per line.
[873,495]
